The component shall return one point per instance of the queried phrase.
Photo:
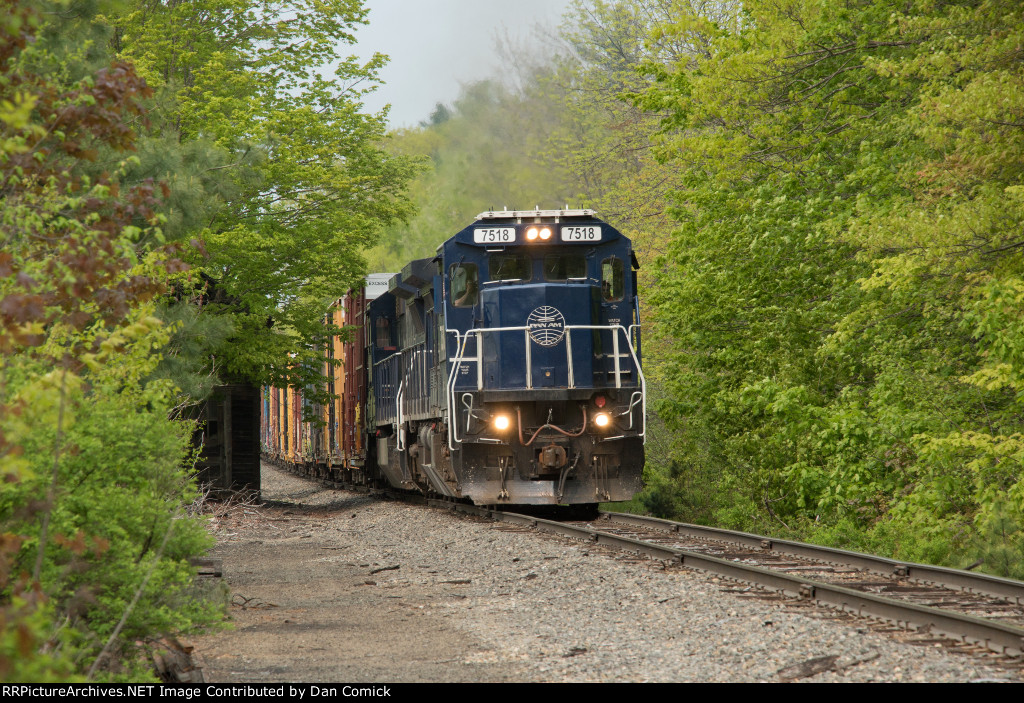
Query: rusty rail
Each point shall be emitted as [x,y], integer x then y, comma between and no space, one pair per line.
[995,636]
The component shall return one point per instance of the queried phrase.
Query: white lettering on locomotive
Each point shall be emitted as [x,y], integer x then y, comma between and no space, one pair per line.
[547,326]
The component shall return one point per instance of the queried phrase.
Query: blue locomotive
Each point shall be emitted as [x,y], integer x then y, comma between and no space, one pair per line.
[506,369]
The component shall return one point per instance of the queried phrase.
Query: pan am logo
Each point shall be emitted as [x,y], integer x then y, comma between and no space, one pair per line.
[547,326]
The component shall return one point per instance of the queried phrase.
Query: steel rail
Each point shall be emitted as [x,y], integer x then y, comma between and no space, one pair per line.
[985,584]
[995,636]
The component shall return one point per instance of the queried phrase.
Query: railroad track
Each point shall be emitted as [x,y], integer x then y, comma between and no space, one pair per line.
[950,604]
[986,611]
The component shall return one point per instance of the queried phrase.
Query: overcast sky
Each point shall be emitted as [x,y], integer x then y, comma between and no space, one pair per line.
[435,45]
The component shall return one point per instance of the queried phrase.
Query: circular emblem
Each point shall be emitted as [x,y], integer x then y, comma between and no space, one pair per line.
[547,326]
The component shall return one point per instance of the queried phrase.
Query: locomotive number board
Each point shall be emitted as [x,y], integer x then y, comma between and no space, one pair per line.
[581,233]
[507,235]
[494,235]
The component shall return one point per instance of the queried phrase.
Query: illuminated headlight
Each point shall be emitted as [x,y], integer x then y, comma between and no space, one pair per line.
[535,233]
[602,420]
[501,422]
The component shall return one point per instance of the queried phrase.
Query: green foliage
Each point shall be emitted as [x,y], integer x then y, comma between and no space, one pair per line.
[556,131]
[478,157]
[27,654]
[274,165]
[94,492]
[115,487]
[136,135]
[842,289]
[185,361]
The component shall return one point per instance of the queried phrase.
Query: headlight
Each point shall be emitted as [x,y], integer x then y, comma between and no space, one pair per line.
[502,422]
[535,233]
[602,420]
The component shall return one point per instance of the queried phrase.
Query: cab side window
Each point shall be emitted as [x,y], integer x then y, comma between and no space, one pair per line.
[382,338]
[464,283]
[562,267]
[612,279]
[510,267]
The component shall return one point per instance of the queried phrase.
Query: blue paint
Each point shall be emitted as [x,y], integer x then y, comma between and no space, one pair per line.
[420,309]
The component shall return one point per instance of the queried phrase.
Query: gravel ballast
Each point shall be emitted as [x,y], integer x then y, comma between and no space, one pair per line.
[333,586]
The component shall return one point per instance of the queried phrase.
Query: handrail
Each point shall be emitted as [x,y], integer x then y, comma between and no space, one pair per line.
[387,358]
[406,371]
[633,400]
[399,420]
[461,341]
[395,360]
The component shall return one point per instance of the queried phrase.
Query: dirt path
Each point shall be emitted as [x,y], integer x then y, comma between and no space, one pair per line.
[302,612]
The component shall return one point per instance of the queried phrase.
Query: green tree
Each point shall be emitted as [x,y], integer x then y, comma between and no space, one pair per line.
[846,256]
[94,499]
[481,156]
[287,171]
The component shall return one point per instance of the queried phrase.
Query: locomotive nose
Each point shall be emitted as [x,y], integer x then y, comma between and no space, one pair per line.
[540,348]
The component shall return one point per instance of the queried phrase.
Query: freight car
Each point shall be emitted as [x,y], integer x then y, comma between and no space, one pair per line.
[504,370]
